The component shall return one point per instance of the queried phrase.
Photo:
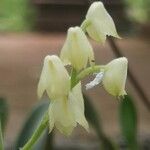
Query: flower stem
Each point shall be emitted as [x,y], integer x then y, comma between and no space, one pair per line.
[89,71]
[73,77]
[37,133]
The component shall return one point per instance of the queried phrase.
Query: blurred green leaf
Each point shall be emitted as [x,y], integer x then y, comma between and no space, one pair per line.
[93,119]
[1,138]
[128,121]
[3,113]
[31,124]
[138,10]
[16,15]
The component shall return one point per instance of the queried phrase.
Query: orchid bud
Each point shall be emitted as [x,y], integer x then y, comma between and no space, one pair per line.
[77,50]
[101,23]
[54,78]
[115,75]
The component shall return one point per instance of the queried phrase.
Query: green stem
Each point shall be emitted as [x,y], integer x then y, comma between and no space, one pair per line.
[37,133]
[73,77]
[89,71]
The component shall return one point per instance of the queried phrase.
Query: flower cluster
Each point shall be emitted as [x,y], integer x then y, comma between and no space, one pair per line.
[67,107]
[63,88]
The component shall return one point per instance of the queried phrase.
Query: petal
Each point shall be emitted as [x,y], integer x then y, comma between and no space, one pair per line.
[102,23]
[54,78]
[64,55]
[66,130]
[95,33]
[42,85]
[63,116]
[51,117]
[115,76]
[77,105]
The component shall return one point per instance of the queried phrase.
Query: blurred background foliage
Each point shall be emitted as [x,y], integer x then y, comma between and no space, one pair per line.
[138,10]
[21,15]
[16,15]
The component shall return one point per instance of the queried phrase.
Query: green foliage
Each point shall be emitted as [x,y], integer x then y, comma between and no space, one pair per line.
[139,10]
[3,120]
[32,122]
[1,138]
[3,113]
[128,122]
[16,15]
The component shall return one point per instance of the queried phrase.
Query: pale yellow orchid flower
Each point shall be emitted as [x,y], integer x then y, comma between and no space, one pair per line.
[113,77]
[100,23]
[77,50]
[54,78]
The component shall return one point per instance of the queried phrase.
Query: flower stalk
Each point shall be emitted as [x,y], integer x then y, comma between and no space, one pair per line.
[73,77]
[42,126]
[89,71]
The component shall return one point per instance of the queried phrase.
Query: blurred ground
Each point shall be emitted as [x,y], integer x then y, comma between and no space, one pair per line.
[21,58]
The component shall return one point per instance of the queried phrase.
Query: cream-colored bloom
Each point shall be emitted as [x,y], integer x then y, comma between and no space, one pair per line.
[66,112]
[101,23]
[54,78]
[67,105]
[77,50]
[113,77]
